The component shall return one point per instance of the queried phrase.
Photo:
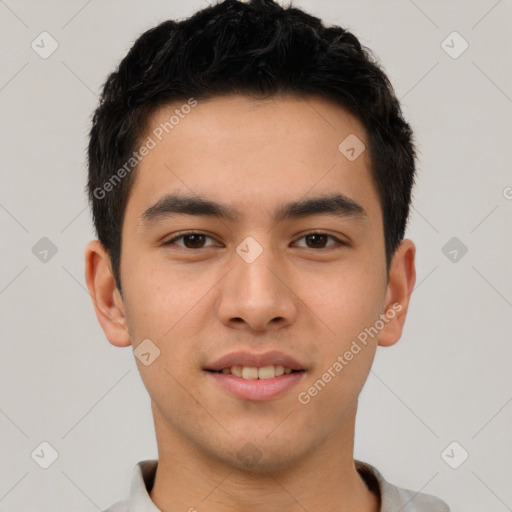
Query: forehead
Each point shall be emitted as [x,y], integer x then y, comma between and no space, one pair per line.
[251,152]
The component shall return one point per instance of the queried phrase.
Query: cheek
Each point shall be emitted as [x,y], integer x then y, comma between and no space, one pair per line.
[170,309]
[347,300]
[164,312]
[332,394]
[347,305]
[157,300]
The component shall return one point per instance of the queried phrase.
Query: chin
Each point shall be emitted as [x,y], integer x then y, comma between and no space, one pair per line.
[254,460]
[261,454]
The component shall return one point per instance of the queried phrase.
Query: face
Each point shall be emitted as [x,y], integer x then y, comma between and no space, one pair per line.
[267,252]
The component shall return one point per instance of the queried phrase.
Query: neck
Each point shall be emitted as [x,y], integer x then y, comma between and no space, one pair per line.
[188,479]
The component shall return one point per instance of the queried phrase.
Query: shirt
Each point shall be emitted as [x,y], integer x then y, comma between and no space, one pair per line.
[393,499]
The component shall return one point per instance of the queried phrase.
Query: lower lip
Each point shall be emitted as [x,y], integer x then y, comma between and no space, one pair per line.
[257,389]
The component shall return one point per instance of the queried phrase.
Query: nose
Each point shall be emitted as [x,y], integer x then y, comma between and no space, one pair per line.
[255,296]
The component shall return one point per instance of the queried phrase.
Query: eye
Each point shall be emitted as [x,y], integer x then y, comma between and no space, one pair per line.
[191,241]
[320,241]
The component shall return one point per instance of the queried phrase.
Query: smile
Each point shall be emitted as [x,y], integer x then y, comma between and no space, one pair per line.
[245,382]
[252,372]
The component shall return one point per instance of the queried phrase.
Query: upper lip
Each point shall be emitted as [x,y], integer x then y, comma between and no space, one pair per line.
[253,359]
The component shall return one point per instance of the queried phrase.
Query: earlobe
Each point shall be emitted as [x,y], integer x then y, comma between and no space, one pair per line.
[401,280]
[108,303]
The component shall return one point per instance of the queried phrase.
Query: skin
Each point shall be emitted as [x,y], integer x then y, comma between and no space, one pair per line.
[310,301]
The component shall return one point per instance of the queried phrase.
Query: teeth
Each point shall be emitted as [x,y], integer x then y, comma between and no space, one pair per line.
[266,372]
[251,372]
[236,371]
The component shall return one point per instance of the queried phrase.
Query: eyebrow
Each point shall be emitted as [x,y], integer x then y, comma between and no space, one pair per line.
[177,204]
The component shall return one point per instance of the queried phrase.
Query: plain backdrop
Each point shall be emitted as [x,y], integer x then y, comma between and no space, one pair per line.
[443,392]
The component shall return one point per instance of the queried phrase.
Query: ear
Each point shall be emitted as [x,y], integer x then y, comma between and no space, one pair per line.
[401,280]
[106,298]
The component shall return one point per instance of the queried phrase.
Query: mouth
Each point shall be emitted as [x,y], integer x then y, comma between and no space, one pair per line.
[253,372]
[256,377]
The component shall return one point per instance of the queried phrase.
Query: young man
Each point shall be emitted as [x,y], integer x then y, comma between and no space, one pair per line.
[250,176]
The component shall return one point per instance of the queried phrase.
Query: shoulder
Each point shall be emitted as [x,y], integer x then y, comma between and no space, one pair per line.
[143,476]
[120,506]
[393,498]
[415,501]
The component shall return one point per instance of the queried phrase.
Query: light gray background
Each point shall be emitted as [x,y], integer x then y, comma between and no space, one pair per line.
[449,377]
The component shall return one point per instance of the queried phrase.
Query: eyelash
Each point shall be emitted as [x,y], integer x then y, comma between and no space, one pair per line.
[338,243]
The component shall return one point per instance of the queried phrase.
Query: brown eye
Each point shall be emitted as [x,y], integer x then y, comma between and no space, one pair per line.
[316,241]
[319,241]
[191,241]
